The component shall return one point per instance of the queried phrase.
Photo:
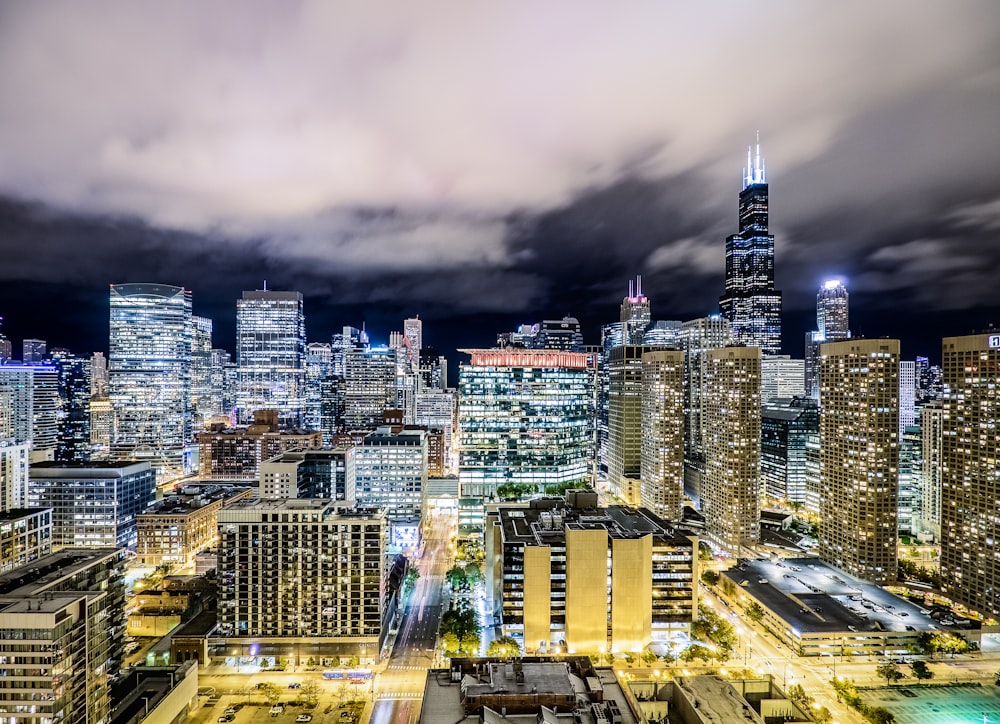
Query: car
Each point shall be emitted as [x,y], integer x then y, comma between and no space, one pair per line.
[277,709]
[818,609]
[225,718]
[903,613]
[231,711]
[295,685]
[803,610]
[304,718]
[344,714]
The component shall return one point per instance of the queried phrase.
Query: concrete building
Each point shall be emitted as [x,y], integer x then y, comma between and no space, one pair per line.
[336,603]
[32,394]
[33,351]
[859,456]
[307,474]
[931,462]
[970,529]
[907,395]
[14,461]
[176,529]
[63,619]
[95,504]
[732,417]
[25,537]
[662,454]
[237,453]
[625,421]
[781,377]
[389,471]
[565,575]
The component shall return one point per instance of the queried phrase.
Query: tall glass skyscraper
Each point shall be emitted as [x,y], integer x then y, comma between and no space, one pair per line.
[750,302]
[271,352]
[150,375]
[832,325]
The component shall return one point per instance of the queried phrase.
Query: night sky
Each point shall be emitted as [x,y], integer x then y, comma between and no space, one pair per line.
[484,165]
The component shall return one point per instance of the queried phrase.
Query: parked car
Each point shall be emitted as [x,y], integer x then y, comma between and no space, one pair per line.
[231,711]
[295,685]
[226,718]
[304,718]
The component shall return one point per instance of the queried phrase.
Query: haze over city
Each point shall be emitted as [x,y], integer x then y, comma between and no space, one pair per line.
[489,166]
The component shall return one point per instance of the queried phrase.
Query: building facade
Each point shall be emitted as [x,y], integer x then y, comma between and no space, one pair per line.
[389,471]
[32,395]
[237,453]
[25,537]
[789,450]
[662,454]
[750,302]
[859,457]
[625,432]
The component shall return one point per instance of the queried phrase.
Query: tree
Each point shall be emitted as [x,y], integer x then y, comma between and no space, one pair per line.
[878,715]
[710,577]
[470,643]
[504,647]
[920,671]
[822,715]
[412,576]
[473,573]
[890,672]
[450,641]
[704,551]
[754,612]
[798,694]
[309,693]
[271,693]
[456,576]
[648,657]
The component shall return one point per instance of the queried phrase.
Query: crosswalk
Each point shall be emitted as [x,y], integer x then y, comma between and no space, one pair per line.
[406,668]
[398,695]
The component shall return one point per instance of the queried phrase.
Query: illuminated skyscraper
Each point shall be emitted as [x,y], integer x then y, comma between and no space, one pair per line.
[271,351]
[662,463]
[34,406]
[201,369]
[697,337]
[413,330]
[970,530]
[859,456]
[319,362]
[150,375]
[932,437]
[832,325]
[523,418]
[750,302]
[635,314]
[73,444]
[5,346]
[33,351]
[730,492]
[625,421]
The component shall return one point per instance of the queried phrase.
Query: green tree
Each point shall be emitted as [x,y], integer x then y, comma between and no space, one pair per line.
[704,551]
[754,612]
[878,715]
[822,715]
[505,647]
[271,693]
[412,576]
[920,671]
[798,694]
[890,672]
[309,693]
[470,643]
[473,573]
[450,641]
[710,577]
[456,576]
[648,657]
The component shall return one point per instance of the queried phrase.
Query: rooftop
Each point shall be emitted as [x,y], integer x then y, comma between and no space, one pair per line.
[26,580]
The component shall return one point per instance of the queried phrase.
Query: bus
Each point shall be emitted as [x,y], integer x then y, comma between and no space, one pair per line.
[353,676]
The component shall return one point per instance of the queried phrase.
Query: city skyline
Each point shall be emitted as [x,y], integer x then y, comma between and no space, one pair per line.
[563,155]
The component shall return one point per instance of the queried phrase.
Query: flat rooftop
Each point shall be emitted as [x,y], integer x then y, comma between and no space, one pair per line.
[713,697]
[24,581]
[812,597]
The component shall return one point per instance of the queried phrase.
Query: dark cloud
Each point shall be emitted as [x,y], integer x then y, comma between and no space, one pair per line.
[483,165]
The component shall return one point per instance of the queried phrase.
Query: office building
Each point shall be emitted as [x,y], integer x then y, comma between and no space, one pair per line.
[174,530]
[635,314]
[832,325]
[789,450]
[732,418]
[15,457]
[32,395]
[930,385]
[907,395]
[781,377]
[98,375]
[237,453]
[6,348]
[750,302]
[413,331]
[33,351]
[319,364]
[336,605]
[390,471]
[662,446]
[564,575]
[73,421]
[625,421]
[270,354]
[203,403]
[663,333]
[435,410]
[931,470]
[149,375]
[25,537]
[859,457]
[102,428]
[63,622]
[433,370]
[368,387]
[307,474]
[523,419]
[94,505]
[697,338]
[970,528]
[910,467]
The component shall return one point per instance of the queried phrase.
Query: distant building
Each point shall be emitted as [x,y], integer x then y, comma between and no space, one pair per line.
[204,404]
[931,468]
[32,395]
[95,504]
[635,314]
[970,529]
[789,450]
[697,338]
[307,474]
[435,410]
[662,446]
[73,420]
[781,377]
[908,499]
[339,604]
[662,333]
[832,325]
[625,421]
[25,537]
[750,302]
[732,422]
[66,616]
[907,395]
[102,428]
[523,419]
[237,453]
[565,575]
[368,388]
[15,457]
[859,458]
[33,351]
[389,471]
[319,364]
[270,354]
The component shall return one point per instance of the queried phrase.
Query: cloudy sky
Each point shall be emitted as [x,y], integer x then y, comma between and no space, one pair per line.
[486,164]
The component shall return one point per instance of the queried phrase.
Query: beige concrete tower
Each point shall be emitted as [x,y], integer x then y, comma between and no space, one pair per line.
[970,492]
[731,489]
[586,587]
[859,453]
[662,464]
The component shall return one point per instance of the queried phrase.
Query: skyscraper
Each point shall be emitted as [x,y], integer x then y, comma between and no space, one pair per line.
[33,351]
[931,432]
[970,530]
[5,346]
[732,414]
[789,449]
[34,406]
[150,375]
[319,362]
[201,369]
[662,457]
[271,350]
[907,395]
[750,302]
[859,458]
[635,314]
[625,421]
[413,330]
[832,325]
[73,442]
[697,337]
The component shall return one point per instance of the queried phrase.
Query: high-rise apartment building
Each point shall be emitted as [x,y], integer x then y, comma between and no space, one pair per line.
[635,314]
[662,456]
[435,410]
[25,537]
[237,453]
[907,395]
[625,421]
[149,377]
[789,450]
[102,428]
[202,401]
[15,458]
[730,491]
[368,388]
[910,468]
[73,439]
[224,379]
[307,474]
[970,450]
[336,603]
[34,405]
[570,576]
[94,505]
[33,351]
[931,468]
[750,302]
[523,418]
[270,354]
[859,456]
